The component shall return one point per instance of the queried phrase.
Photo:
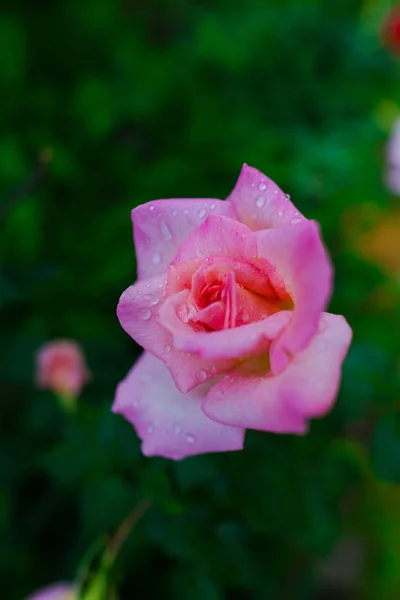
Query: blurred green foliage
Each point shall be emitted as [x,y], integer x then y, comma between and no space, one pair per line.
[141,100]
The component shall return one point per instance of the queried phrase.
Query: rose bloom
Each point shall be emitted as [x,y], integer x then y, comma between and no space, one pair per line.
[229,307]
[393,160]
[57,591]
[60,367]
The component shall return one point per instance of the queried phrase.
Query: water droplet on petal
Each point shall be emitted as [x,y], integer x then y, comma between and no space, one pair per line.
[151,299]
[190,438]
[201,213]
[150,428]
[295,220]
[156,258]
[280,213]
[212,206]
[144,314]
[262,187]
[165,230]
[213,370]
[245,316]
[177,429]
[201,375]
[186,212]
[167,348]
[151,207]
[174,212]
[287,196]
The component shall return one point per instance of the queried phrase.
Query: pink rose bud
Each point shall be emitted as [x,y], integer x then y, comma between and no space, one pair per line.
[58,591]
[229,306]
[61,368]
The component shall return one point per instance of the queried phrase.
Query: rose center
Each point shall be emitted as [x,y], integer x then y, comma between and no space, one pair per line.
[226,293]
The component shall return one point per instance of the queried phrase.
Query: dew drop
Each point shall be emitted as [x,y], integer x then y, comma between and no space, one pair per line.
[245,316]
[166,232]
[186,212]
[174,212]
[262,187]
[150,428]
[213,370]
[144,314]
[201,375]
[190,438]
[177,429]
[201,213]
[212,206]
[167,348]
[287,196]
[295,220]
[151,207]
[280,213]
[151,299]
[156,258]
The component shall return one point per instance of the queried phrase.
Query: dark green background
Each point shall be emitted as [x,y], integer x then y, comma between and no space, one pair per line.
[140,100]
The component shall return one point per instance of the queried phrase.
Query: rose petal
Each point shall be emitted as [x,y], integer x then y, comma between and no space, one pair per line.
[169,423]
[57,591]
[138,312]
[283,403]
[219,236]
[300,259]
[260,203]
[161,226]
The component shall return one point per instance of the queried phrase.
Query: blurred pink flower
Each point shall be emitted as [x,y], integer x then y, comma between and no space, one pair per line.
[60,367]
[393,160]
[229,308]
[57,591]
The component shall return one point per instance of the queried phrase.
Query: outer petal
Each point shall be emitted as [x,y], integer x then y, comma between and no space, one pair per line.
[138,312]
[300,259]
[260,203]
[226,344]
[219,236]
[161,226]
[169,423]
[57,591]
[283,403]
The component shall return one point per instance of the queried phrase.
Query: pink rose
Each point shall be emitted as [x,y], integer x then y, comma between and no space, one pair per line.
[57,591]
[229,308]
[60,367]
